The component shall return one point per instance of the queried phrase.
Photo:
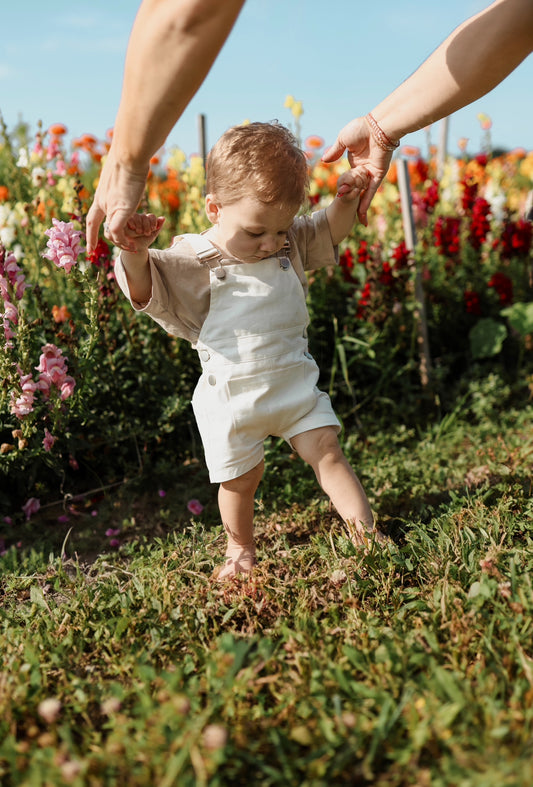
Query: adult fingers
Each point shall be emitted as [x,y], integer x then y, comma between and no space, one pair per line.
[366,198]
[334,152]
[115,230]
[95,217]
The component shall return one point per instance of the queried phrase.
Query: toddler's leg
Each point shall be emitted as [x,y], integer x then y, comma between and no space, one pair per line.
[320,448]
[236,504]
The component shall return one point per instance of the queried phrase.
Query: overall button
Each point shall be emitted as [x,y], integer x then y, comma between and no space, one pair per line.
[212,380]
[308,355]
[204,355]
[284,263]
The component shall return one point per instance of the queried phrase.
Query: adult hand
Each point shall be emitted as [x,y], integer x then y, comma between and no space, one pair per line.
[362,151]
[116,199]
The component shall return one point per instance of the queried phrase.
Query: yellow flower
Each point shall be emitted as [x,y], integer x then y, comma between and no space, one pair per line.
[176,159]
[289,102]
[297,109]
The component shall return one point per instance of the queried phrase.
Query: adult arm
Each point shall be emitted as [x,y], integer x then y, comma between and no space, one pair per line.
[172,46]
[474,58]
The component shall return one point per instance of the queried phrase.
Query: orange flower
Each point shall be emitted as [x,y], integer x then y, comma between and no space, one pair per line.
[410,150]
[57,129]
[392,174]
[4,193]
[332,182]
[314,141]
[60,313]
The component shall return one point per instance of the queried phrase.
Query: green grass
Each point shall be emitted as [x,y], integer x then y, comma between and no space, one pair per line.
[409,665]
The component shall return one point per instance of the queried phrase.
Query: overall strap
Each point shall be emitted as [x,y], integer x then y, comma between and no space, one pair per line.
[206,252]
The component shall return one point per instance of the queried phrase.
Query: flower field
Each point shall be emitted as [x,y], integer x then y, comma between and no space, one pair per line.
[123,663]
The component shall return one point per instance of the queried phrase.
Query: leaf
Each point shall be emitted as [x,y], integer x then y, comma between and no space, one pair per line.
[520,316]
[37,597]
[486,338]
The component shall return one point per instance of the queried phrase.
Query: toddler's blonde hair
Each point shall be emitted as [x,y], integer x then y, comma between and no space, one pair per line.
[262,160]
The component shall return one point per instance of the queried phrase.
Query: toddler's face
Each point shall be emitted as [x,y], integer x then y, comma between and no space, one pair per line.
[249,230]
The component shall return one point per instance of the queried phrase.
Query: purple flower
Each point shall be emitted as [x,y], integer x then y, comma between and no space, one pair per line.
[162,493]
[112,531]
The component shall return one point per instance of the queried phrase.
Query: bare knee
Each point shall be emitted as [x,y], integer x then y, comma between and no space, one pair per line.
[246,483]
[318,445]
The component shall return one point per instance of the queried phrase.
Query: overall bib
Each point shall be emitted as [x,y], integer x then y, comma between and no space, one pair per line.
[258,378]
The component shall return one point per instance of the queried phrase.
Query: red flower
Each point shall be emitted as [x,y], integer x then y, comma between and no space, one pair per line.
[479,225]
[447,235]
[469,195]
[346,263]
[516,239]
[101,255]
[386,276]
[503,286]
[400,255]
[472,302]
[101,258]
[364,301]
[363,255]
[431,196]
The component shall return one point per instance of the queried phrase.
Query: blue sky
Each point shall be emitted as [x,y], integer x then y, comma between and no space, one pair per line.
[63,62]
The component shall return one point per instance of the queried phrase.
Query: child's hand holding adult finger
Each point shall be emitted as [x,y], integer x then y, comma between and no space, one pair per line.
[351,184]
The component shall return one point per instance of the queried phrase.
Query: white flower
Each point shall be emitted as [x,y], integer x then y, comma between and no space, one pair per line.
[7,236]
[23,159]
[38,174]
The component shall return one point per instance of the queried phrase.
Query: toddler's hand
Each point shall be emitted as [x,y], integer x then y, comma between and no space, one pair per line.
[351,184]
[144,228]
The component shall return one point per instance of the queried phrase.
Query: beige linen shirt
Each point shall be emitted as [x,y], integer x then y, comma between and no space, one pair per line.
[180,282]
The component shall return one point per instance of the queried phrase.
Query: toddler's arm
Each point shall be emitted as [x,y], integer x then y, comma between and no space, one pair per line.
[342,212]
[144,229]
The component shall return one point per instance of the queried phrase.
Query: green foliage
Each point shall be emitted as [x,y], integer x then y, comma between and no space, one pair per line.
[408,665]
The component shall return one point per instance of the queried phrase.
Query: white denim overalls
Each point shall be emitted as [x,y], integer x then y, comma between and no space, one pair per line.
[258,378]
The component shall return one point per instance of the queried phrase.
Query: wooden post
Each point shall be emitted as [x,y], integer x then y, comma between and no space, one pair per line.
[202,147]
[410,242]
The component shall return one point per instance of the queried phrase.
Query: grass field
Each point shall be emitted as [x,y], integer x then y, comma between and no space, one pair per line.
[408,665]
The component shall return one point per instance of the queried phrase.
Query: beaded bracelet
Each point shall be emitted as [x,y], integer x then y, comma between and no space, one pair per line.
[384,142]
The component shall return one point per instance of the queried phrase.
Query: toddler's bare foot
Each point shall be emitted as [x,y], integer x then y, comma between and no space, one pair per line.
[362,536]
[239,560]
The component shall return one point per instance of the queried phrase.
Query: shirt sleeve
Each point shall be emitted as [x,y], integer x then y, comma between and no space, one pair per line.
[311,237]
[179,302]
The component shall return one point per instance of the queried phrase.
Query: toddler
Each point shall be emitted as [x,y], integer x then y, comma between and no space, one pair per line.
[237,292]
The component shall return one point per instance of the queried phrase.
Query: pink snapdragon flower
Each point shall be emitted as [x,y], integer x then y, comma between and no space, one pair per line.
[22,404]
[31,507]
[53,372]
[10,273]
[64,244]
[48,440]
[12,283]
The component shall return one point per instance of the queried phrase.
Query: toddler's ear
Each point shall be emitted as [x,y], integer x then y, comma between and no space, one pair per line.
[212,208]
